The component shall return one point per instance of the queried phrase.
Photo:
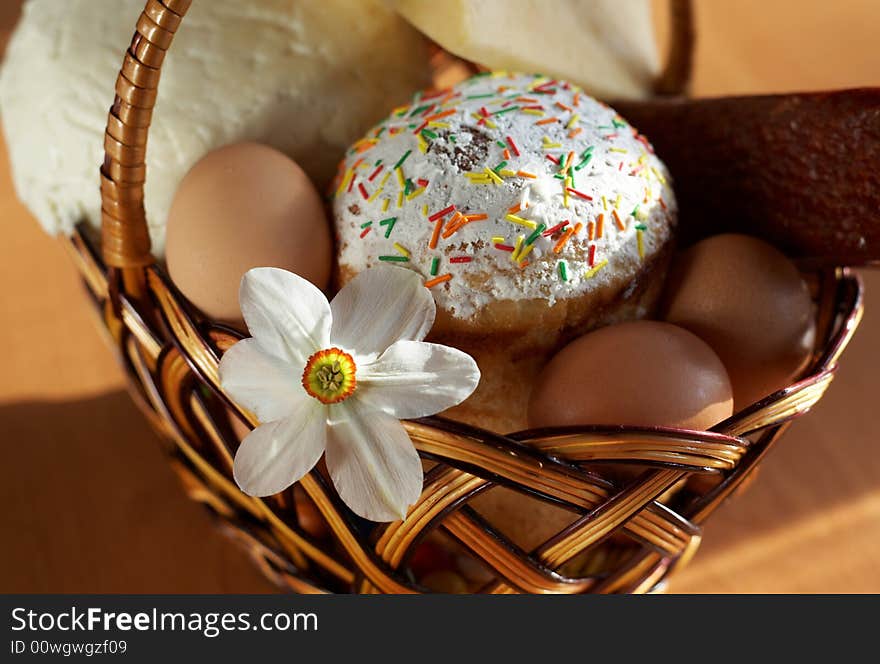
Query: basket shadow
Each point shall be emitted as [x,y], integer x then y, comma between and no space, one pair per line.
[90,505]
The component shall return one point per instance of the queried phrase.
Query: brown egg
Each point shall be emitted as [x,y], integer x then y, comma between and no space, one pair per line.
[750,304]
[242,206]
[639,373]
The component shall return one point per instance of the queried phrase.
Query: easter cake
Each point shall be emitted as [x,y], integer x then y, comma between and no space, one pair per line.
[533,211]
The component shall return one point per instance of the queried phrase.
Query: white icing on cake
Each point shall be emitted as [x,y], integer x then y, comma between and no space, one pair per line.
[451,147]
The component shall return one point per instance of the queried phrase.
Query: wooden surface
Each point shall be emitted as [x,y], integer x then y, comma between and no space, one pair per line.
[89,504]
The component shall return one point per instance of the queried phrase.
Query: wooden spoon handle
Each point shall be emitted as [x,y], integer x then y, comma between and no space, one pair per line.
[799,170]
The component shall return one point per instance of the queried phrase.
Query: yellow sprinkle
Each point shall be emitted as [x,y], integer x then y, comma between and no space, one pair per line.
[384,179]
[476,175]
[425,209]
[525,252]
[415,193]
[572,121]
[385,203]
[374,195]
[506,172]
[516,249]
[400,199]
[658,175]
[401,249]
[435,123]
[641,243]
[552,146]
[349,174]
[522,222]
[643,158]
[499,73]
[492,174]
[399,109]
[617,202]
[497,239]
[532,111]
[400,179]
[564,194]
[604,203]
[617,150]
[593,271]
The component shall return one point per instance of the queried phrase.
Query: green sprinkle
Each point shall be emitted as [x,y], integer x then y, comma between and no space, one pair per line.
[485,96]
[604,127]
[505,110]
[381,131]
[402,159]
[435,266]
[563,271]
[585,160]
[536,234]
[635,211]
[559,176]
[617,123]
[394,259]
[427,133]
[500,144]
[409,187]
[419,109]
[378,161]
[364,225]
[452,138]
[500,166]
[390,221]
[481,74]
[641,227]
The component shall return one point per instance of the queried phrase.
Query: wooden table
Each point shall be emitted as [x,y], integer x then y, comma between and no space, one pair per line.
[89,504]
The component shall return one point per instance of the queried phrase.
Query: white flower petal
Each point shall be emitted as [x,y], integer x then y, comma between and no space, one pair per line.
[416,378]
[372,461]
[276,454]
[378,307]
[287,315]
[268,387]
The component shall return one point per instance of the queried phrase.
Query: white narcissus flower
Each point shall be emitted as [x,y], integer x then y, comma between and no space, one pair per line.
[335,378]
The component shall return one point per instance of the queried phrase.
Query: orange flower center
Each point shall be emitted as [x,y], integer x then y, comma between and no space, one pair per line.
[330,375]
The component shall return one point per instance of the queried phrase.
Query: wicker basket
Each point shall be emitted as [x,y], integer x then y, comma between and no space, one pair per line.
[626,536]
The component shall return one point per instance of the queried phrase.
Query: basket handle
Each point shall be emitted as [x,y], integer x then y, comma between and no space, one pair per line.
[125,240]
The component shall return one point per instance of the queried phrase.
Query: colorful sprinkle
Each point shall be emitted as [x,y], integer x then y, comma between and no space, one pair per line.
[394,259]
[563,271]
[437,280]
[435,265]
[592,272]
[522,222]
[442,213]
[513,146]
[461,259]
[390,225]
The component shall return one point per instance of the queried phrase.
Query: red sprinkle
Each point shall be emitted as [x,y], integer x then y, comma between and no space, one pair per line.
[461,259]
[363,191]
[513,146]
[365,231]
[557,227]
[418,130]
[422,182]
[579,194]
[442,213]
[504,247]
[592,256]
[351,184]
[552,158]
[376,172]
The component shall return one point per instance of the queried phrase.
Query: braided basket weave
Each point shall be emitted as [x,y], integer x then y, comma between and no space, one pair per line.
[627,534]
